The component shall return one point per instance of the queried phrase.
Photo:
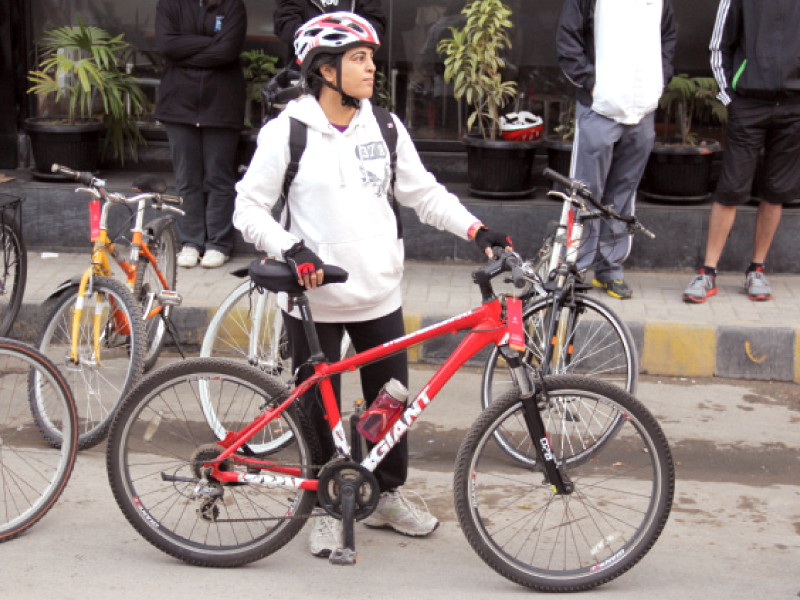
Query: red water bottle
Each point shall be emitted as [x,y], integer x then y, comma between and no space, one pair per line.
[383,412]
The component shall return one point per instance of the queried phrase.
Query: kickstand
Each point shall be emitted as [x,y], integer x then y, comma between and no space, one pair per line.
[347,555]
[173,333]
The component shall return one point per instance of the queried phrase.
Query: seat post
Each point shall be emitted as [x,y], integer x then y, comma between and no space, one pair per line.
[301,302]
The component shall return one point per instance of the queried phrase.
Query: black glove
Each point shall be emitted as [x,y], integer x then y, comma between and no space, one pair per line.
[302,261]
[486,238]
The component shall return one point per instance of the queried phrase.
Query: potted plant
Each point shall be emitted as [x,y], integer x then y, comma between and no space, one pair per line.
[559,143]
[79,65]
[258,68]
[679,168]
[475,65]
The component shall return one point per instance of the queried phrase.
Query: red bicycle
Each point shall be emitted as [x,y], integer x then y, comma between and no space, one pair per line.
[589,503]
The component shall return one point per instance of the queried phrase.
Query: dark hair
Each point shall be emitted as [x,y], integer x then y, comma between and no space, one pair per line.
[314,78]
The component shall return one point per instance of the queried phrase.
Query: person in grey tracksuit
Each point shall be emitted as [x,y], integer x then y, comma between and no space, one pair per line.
[618,54]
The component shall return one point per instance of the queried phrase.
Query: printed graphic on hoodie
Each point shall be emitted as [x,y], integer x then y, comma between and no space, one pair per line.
[374,151]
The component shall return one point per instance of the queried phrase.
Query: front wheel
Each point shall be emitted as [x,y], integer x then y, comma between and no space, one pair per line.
[621,500]
[13,273]
[160,441]
[248,326]
[104,372]
[33,472]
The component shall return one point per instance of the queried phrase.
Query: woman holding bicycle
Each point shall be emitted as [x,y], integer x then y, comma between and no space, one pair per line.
[341,210]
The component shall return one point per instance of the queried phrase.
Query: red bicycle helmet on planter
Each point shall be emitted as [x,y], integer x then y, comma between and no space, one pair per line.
[521,127]
[333,33]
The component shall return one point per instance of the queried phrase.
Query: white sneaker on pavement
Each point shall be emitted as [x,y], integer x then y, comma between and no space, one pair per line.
[213,259]
[326,536]
[188,257]
[396,512]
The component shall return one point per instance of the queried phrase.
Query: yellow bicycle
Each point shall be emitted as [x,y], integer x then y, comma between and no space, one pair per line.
[102,332]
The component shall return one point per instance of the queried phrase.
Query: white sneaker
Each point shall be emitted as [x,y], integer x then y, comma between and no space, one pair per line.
[213,259]
[326,536]
[396,512]
[188,257]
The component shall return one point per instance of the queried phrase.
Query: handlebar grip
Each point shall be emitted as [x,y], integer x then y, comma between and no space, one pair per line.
[85,178]
[557,177]
[171,199]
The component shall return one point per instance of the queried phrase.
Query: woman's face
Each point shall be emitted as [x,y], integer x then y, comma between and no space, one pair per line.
[358,72]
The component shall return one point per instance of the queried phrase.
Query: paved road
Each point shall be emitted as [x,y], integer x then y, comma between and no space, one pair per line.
[734,531]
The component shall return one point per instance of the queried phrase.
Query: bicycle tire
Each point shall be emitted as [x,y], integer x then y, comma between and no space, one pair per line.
[13,273]
[100,387]
[603,349]
[160,430]
[33,472]
[147,286]
[230,335]
[620,503]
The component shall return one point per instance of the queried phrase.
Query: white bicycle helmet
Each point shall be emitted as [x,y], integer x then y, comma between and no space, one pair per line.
[332,33]
[521,127]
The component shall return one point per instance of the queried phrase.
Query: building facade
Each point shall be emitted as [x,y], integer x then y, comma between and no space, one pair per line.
[412,69]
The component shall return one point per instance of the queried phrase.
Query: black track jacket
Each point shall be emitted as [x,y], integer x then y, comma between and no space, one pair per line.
[755,48]
[290,14]
[203,83]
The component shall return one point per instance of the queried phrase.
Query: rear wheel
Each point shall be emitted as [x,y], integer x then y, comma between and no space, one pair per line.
[590,339]
[148,284]
[621,500]
[160,441]
[99,380]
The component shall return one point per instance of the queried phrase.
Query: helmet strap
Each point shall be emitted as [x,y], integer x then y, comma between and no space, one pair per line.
[346,100]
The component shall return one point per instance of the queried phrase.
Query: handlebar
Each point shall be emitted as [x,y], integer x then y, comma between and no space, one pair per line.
[96,187]
[579,188]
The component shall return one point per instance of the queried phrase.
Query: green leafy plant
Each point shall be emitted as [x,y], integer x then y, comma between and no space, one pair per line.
[258,68]
[474,63]
[381,94]
[81,63]
[566,123]
[688,98]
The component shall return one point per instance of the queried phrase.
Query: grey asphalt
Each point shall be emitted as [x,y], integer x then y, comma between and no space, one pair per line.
[734,532]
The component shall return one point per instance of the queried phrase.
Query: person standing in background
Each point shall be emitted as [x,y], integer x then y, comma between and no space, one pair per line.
[291,14]
[755,56]
[618,54]
[201,103]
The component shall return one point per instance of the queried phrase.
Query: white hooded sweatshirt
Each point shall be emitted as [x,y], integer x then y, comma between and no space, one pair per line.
[339,206]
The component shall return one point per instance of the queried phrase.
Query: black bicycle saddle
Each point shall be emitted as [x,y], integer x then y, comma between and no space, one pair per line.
[277,276]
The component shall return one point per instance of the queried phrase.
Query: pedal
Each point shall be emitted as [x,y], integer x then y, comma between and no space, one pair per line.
[343,557]
[169,298]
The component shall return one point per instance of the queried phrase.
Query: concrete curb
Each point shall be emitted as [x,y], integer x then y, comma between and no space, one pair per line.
[670,349]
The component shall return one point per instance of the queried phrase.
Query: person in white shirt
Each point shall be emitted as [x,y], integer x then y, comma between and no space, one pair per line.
[341,209]
[619,54]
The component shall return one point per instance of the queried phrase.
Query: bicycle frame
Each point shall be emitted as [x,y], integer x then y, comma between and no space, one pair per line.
[100,266]
[486,325]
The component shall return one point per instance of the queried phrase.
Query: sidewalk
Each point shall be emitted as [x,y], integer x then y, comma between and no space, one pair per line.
[729,336]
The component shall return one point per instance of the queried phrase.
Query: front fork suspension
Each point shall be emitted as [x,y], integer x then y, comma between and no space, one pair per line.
[533,400]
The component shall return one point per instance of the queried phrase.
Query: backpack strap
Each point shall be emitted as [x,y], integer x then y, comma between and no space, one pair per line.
[297,145]
[389,133]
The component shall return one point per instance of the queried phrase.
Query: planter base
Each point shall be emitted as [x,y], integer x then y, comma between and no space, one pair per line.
[671,199]
[518,195]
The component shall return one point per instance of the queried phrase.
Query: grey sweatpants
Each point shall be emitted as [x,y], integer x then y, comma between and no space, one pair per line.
[610,158]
